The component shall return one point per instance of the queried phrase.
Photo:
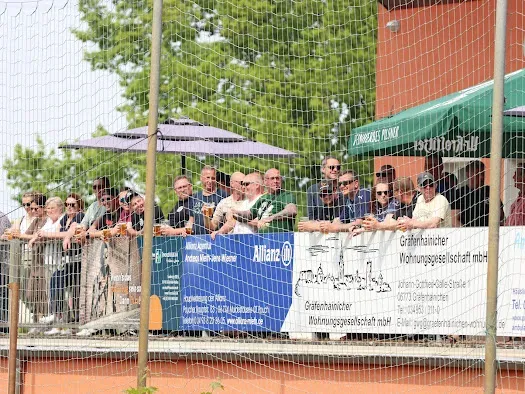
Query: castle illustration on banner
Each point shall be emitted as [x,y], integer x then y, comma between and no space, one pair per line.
[365,279]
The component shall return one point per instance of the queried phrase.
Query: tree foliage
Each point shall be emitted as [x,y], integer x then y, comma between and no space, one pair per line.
[295,74]
[60,173]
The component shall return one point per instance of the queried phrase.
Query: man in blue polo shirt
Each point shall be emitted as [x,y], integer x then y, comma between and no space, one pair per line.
[356,204]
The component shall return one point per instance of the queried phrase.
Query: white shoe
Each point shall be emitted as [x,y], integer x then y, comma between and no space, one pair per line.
[66,331]
[53,331]
[47,319]
[34,331]
[86,332]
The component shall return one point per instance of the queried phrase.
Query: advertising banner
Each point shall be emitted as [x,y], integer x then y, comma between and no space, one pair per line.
[238,282]
[415,282]
[110,280]
[166,271]
[418,282]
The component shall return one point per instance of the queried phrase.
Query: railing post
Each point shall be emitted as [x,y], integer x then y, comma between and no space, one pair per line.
[13,335]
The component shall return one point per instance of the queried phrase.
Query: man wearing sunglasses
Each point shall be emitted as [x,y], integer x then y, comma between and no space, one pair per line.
[330,169]
[225,206]
[253,186]
[432,209]
[386,174]
[356,204]
[274,211]
[325,214]
[109,198]
[94,211]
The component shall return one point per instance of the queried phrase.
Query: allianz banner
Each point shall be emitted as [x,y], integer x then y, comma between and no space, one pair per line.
[237,282]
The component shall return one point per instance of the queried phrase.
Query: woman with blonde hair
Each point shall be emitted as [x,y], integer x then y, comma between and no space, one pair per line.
[67,274]
[36,285]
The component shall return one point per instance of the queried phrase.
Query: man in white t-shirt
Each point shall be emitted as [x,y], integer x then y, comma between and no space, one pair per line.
[234,201]
[432,209]
[253,186]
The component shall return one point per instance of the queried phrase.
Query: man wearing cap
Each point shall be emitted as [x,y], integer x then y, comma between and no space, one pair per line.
[517,209]
[473,201]
[326,213]
[330,168]
[356,204]
[432,209]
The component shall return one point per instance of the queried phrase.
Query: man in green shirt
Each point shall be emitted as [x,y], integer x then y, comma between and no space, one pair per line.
[275,211]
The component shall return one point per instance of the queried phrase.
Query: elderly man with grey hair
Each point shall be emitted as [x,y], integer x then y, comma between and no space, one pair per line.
[253,187]
[275,211]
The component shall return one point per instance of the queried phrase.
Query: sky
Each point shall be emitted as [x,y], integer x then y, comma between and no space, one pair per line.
[46,88]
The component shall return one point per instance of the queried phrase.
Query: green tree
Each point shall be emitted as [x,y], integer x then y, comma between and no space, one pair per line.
[59,173]
[295,74]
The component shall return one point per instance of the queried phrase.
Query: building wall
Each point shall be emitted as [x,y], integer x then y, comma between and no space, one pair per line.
[437,51]
[441,49]
[46,376]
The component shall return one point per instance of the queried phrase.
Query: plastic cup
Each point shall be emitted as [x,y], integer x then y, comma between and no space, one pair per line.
[208,210]
[156,230]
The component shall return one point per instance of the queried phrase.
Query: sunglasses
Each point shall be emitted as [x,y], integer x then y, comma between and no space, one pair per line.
[381,193]
[26,204]
[246,183]
[71,204]
[106,199]
[427,184]
[97,187]
[334,168]
[346,183]
[36,209]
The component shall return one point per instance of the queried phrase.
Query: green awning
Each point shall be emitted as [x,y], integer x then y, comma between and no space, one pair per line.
[457,125]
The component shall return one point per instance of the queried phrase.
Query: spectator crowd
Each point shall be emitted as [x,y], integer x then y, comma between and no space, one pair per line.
[243,204]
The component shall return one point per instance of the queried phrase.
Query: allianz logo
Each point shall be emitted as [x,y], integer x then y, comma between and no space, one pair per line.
[265,254]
